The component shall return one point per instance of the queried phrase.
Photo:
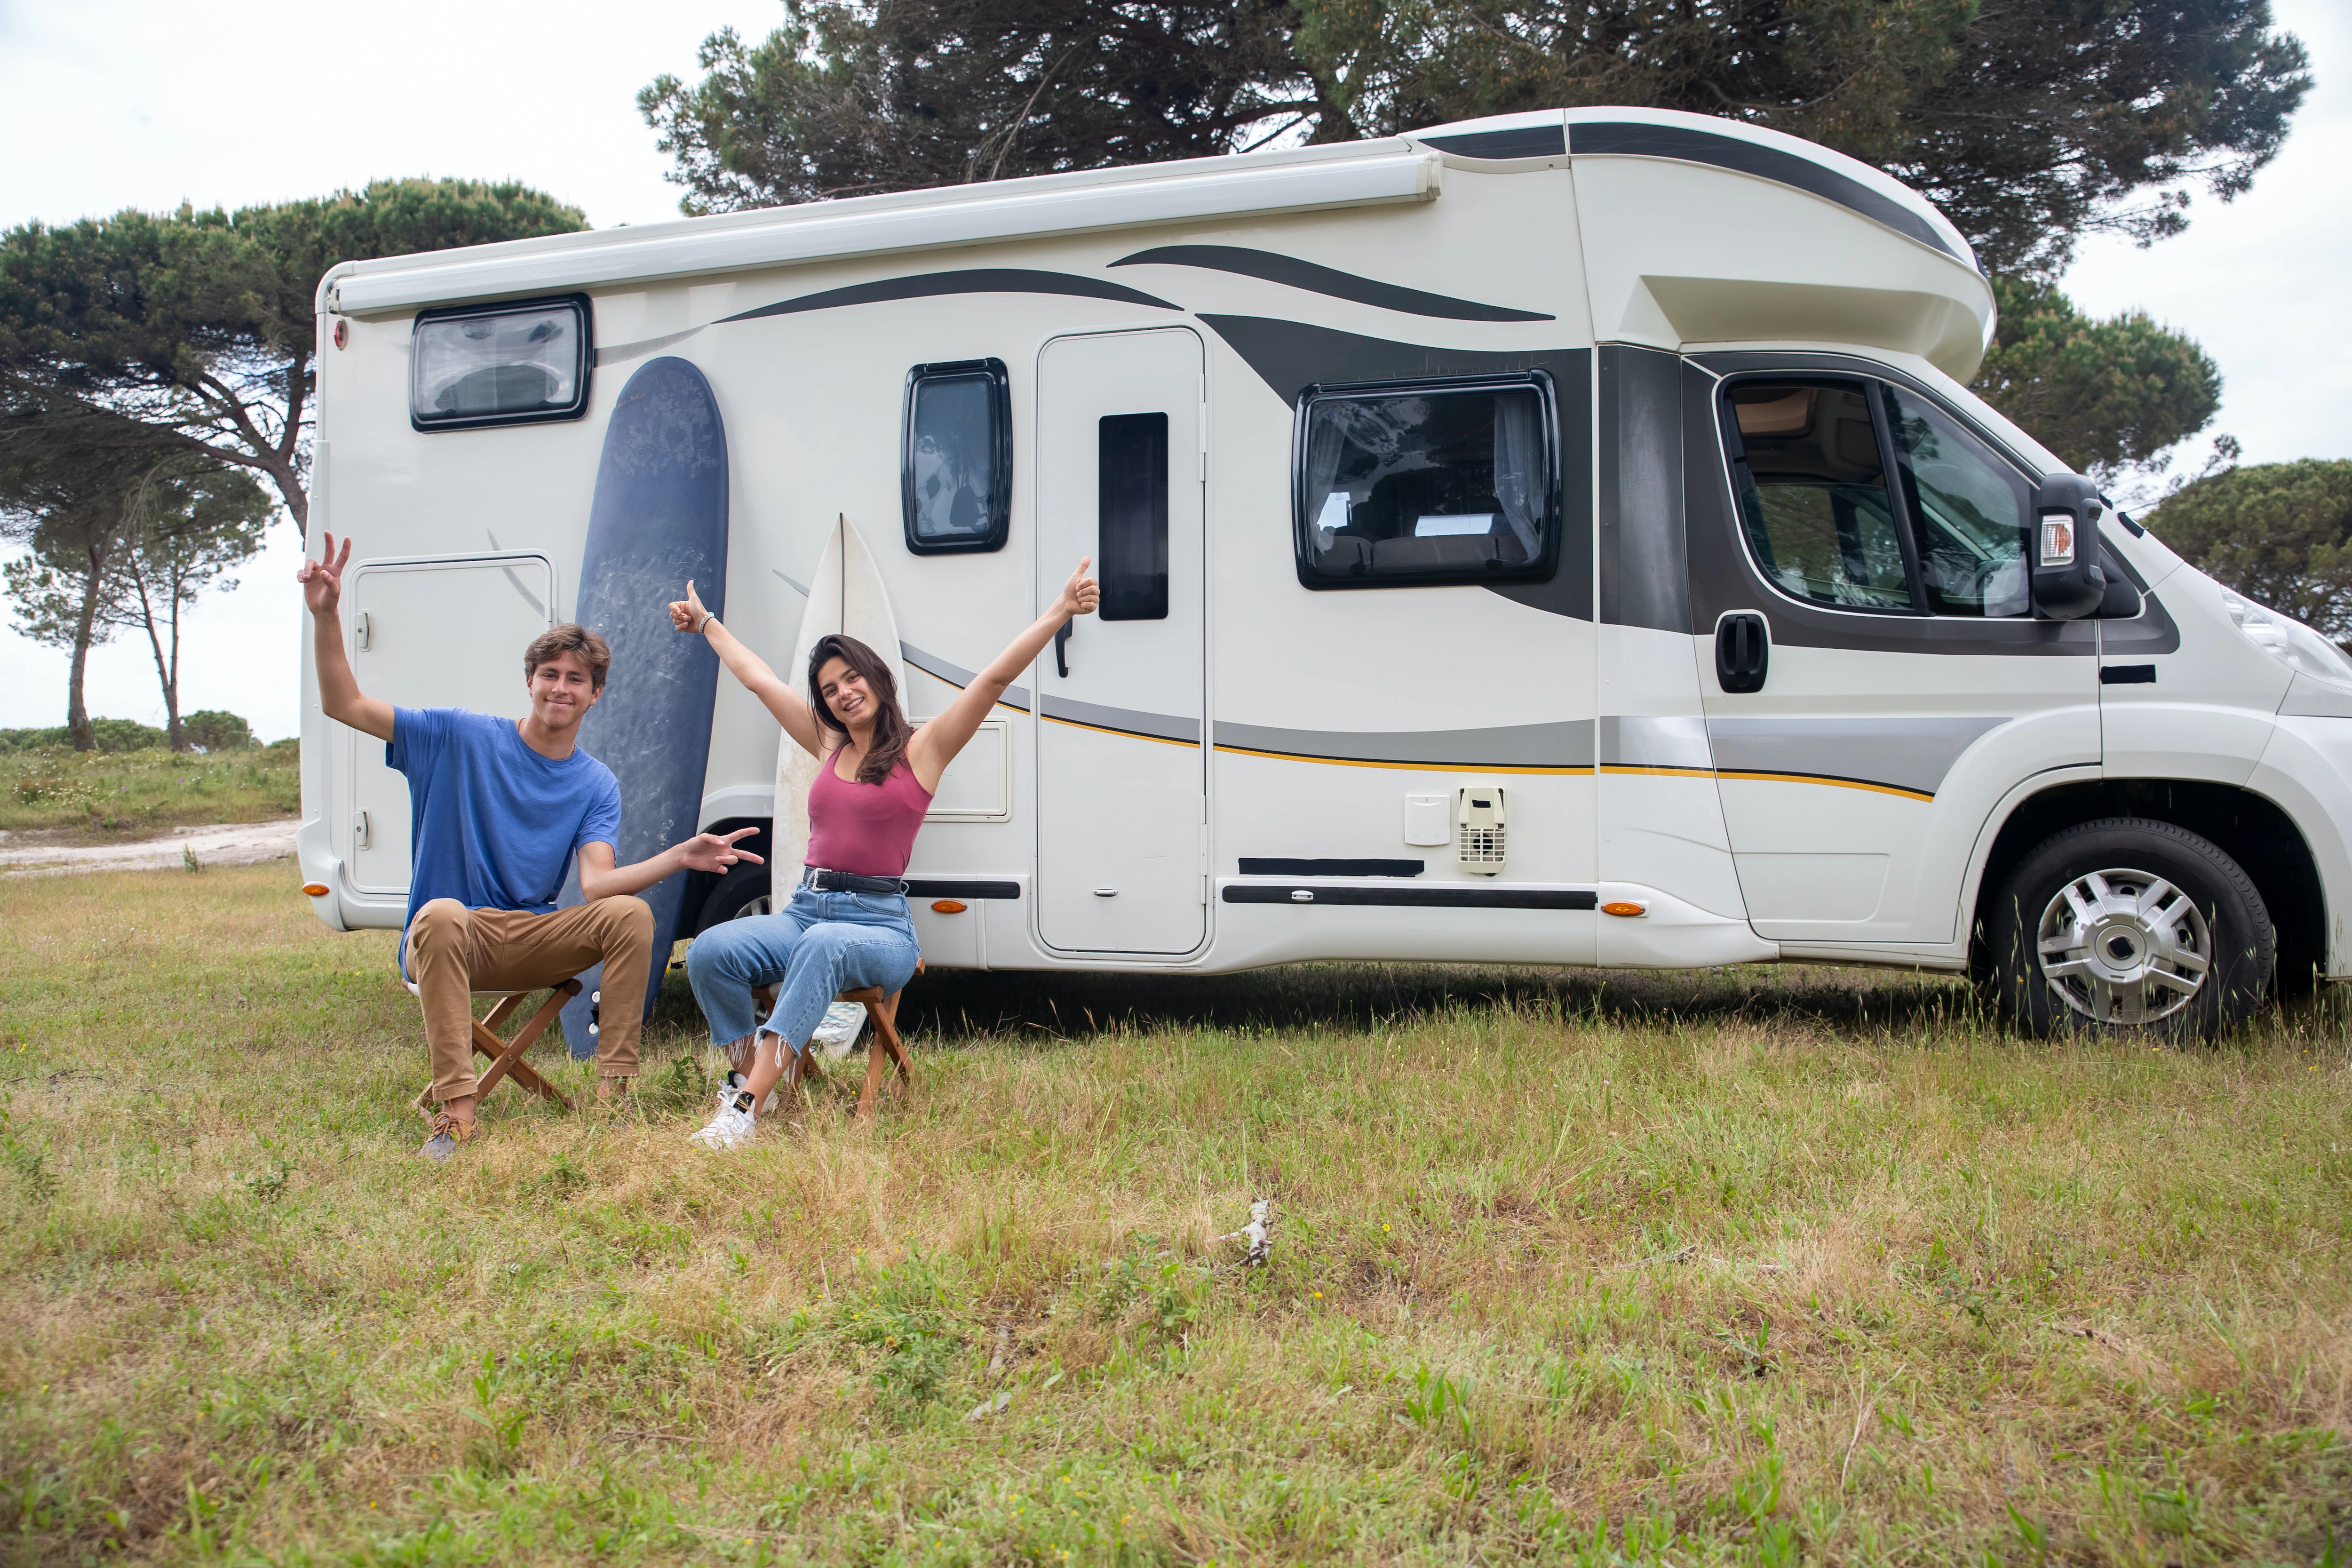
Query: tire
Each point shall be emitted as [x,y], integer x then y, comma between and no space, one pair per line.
[2132,928]
[743,890]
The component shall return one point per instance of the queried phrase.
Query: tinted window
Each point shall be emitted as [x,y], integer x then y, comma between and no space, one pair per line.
[957,480]
[1813,494]
[1132,516]
[509,365]
[1969,510]
[1434,483]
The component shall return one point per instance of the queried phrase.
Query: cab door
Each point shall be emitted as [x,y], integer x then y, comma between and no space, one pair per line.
[1879,681]
[1122,764]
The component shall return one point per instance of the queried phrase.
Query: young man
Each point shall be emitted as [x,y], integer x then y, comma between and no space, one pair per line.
[497,808]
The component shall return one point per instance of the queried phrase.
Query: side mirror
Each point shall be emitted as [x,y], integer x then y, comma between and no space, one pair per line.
[2068,582]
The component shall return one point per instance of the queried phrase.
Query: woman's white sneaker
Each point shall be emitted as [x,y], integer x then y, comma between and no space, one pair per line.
[731,1125]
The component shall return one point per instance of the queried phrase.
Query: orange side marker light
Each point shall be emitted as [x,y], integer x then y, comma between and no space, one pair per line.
[947,906]
[1623,907]
[316,890]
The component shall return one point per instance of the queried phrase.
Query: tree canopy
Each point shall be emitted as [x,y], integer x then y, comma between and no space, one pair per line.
[2030,121]
[2102,395]
[195,330]
[2280,533]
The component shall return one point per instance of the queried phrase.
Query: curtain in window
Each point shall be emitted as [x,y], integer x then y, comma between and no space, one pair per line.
[1327,445]
[1519,466]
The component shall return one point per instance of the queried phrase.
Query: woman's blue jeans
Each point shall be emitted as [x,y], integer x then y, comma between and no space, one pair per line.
[816,947]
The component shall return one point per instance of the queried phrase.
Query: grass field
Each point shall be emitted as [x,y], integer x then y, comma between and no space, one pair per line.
[98,797]
[1757,1266]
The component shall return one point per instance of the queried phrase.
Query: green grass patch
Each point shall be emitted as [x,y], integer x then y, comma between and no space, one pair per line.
[1748,1266]
[95,797]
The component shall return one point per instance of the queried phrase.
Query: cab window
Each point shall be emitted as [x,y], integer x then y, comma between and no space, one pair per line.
[1811,482]
[1969,508]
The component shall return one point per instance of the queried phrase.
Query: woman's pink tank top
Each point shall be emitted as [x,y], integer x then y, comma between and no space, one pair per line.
[867,830]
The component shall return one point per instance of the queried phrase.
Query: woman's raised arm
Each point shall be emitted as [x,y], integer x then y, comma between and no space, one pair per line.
[775,694]
[935,745]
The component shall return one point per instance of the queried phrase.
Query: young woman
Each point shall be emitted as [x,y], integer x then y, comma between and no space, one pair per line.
[847,924]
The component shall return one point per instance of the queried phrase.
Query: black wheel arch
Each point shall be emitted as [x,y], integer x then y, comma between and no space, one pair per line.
[2252,829]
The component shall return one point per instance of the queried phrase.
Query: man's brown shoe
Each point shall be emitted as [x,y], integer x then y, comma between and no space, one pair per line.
[448,1133]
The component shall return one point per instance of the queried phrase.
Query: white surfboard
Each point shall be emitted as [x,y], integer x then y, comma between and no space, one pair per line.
[844,596]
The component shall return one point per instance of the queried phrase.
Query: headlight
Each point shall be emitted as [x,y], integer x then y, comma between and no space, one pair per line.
[2290,642]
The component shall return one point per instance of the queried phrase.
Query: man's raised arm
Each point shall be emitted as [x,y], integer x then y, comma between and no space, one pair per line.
[339,689]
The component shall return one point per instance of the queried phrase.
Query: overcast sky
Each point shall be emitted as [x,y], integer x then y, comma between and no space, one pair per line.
[107,104]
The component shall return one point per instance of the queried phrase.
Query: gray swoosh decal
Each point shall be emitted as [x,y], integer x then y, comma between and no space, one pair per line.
[618,353]
[1127,721]
[1646,742]
[1568,745]
[1288,270]
[1626,140]
[528,596]
[788,583]
[955,675]
[1525,141]
[970,280]
[1907,753]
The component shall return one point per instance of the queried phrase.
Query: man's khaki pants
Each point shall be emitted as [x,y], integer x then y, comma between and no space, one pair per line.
[454,952]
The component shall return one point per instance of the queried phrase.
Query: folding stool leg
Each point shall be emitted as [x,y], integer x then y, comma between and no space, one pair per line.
[509,1054]
[883,1012]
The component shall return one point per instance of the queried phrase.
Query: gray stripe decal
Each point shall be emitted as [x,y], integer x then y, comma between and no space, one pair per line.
[953,674]
[1619,139]
[528,596]
[1160,726]
[796,588]
[971,281]
[617,353]
[1288,270]
[1560,745]
[1521,142]
[1909,754]
[1644,743]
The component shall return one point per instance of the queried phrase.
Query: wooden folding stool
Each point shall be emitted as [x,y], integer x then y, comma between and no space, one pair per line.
[882,1042]
[506,1055]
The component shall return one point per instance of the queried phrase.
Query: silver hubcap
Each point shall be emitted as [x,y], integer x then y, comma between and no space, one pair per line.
[757,907]
[2124,947]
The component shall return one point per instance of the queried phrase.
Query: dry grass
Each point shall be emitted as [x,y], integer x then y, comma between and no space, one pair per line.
[1753,1266]
[57,795]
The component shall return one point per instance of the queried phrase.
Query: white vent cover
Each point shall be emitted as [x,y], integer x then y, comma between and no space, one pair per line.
[1480,841]
[1428,820]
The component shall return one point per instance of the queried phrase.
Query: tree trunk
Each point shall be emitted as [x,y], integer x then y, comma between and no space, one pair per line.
[93,583]
[166,671]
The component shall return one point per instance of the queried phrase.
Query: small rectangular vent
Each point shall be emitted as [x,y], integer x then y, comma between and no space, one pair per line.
[1481,836]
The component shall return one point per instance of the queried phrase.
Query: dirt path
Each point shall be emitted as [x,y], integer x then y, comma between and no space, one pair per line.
[223,844]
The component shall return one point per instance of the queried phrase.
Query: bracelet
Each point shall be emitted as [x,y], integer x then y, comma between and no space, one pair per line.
[707,617]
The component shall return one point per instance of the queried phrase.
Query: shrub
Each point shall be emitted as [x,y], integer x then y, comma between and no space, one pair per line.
[210,729]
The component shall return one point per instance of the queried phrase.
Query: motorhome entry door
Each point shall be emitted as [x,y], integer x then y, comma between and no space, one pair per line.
[1121,768]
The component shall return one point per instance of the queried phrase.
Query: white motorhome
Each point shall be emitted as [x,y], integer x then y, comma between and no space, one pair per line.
[1561,539]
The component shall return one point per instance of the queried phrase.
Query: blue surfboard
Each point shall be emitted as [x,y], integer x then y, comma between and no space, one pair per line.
[659,518]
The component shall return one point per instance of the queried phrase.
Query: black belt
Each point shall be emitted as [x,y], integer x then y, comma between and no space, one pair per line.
[826,881]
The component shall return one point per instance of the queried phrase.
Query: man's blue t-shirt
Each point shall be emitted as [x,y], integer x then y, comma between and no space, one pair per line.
[491,823]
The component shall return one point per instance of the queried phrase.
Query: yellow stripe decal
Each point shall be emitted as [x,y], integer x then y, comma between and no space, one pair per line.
[1123,734]
[1895,790]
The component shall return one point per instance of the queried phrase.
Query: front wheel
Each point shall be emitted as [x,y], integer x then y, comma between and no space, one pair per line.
[2130,926]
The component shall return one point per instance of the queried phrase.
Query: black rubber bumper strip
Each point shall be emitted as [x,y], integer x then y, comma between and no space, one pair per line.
[947,888]
[1417,897]
[2128,675]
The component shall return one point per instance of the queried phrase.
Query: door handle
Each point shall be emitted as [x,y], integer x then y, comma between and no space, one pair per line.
[1743,651]
[1061,645]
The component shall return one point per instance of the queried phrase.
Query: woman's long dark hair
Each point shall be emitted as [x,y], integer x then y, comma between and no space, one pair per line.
[891,731]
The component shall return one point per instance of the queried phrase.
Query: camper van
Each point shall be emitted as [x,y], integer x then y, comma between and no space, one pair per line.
[1564,538]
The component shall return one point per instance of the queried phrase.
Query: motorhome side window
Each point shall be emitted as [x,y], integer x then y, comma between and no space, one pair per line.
[499,364]
[1809,464]
[1426,482]
[956,473]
